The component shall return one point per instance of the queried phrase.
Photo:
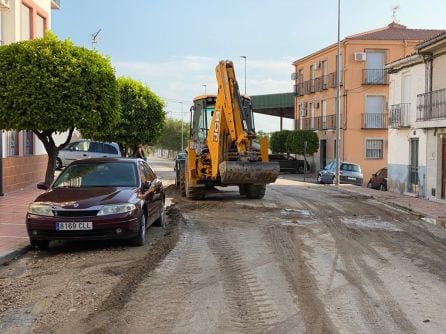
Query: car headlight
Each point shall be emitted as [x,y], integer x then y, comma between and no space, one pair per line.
[113,209]
[40,209]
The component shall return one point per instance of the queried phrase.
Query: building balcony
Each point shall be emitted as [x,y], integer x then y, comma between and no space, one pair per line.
[375,77]
[316,85]
[431,105]
[374,121]
[319,123]
[299,89]
[399,116]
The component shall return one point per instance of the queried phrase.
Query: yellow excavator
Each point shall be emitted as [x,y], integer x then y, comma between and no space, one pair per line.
[221,151]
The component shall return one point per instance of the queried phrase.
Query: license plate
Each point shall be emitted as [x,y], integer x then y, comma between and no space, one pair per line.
[74,226]
[351,178]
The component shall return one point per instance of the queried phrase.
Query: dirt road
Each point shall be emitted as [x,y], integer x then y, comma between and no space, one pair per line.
[305,259]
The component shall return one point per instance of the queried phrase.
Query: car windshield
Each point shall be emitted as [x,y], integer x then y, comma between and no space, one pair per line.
[351,168]
[105,174]
[181,156]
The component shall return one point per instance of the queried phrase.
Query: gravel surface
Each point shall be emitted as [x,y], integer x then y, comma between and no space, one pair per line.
[305,259]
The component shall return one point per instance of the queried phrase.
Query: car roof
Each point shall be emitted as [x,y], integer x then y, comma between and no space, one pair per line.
[107,159]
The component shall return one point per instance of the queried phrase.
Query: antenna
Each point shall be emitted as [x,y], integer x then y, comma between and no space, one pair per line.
[395,9]
[94,38]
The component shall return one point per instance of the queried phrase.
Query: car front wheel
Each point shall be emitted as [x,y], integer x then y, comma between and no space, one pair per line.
[319,179]
[141,237]
[369,185]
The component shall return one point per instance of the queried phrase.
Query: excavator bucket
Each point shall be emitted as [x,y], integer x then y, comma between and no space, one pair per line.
[239,172]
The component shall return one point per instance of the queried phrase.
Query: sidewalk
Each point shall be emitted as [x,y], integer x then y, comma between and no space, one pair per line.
[13,236]
[430,211]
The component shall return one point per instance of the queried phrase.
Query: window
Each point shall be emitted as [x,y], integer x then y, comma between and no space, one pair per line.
[13,143]
[374,116]
[40,31]
[374,148]
[81,146]
[28,142]
[110,149]
[25,23]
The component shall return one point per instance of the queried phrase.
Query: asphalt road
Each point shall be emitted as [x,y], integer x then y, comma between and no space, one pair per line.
[305,259]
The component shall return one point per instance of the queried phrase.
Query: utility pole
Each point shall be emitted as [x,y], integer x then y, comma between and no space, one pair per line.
[204,89]
[244,57]
[94,38]
[338,96]
[182,136]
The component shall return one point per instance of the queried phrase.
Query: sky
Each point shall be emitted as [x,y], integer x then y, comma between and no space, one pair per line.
[173,46]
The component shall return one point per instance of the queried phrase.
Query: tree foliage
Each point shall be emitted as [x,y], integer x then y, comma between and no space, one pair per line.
[170,138]
[48,86]
[142,116]
[278,141]
[295,142]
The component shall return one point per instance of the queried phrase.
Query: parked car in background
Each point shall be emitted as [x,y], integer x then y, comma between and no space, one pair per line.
[349,173]
[379,180]
[82,149]
[102,198]
[288,163]
[180,159]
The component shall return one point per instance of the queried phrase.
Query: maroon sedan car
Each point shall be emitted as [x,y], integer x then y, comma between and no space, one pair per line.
[104,198]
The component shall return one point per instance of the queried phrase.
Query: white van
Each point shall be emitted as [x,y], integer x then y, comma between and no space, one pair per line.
[82,149]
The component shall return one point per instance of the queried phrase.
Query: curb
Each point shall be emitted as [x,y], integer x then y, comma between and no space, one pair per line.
[8,257]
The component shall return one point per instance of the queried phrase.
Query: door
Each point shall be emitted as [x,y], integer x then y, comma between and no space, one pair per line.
[324,115]
[443,168]
[79,150]
[151,195]
[413,168]
[323,150]
[373,118]
[375,62]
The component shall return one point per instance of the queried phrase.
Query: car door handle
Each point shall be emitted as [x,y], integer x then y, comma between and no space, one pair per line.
[84,155]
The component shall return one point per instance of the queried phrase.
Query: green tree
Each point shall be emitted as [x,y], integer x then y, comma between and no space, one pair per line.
[170,138]
[49,86]
[278,141]
[296,139]
[142,116]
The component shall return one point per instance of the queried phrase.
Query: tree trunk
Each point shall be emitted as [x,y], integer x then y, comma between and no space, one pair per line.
[46,137]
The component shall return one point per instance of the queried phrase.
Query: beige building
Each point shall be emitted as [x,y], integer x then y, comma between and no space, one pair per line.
[364,94]
[22,157]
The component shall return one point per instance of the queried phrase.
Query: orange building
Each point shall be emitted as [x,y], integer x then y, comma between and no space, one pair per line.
[364,94]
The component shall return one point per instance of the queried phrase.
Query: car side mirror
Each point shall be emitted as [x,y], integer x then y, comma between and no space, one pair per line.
[42,185]
[374,175]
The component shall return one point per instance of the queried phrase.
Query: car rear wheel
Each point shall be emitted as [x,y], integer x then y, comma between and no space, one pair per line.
[40,244]
[300,169]
[242,189]
[382,187]
[369,185]
[141,237]
[319,179]
[161,221]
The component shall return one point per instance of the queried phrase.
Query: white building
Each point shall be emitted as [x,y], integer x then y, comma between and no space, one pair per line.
[417,121]
[22,157]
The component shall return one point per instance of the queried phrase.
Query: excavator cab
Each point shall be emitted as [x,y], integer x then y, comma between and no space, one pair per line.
[203,109]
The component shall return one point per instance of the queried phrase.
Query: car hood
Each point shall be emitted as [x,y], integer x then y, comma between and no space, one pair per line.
[82,198]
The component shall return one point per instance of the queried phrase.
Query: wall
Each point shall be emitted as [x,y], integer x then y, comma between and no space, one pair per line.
[399,139]
[22,171]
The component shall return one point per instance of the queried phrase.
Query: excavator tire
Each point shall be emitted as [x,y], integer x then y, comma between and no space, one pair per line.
[182,180]
[255,191]
[242,189]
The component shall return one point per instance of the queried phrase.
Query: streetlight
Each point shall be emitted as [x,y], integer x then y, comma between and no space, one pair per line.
[204,89]
[244,57]
[182,149]
[338,95]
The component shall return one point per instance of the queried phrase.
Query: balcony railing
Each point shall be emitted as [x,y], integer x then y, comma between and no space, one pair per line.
[316,85]
[374,77]
[431,105]
[374,120]
[319,123]
[399,115]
